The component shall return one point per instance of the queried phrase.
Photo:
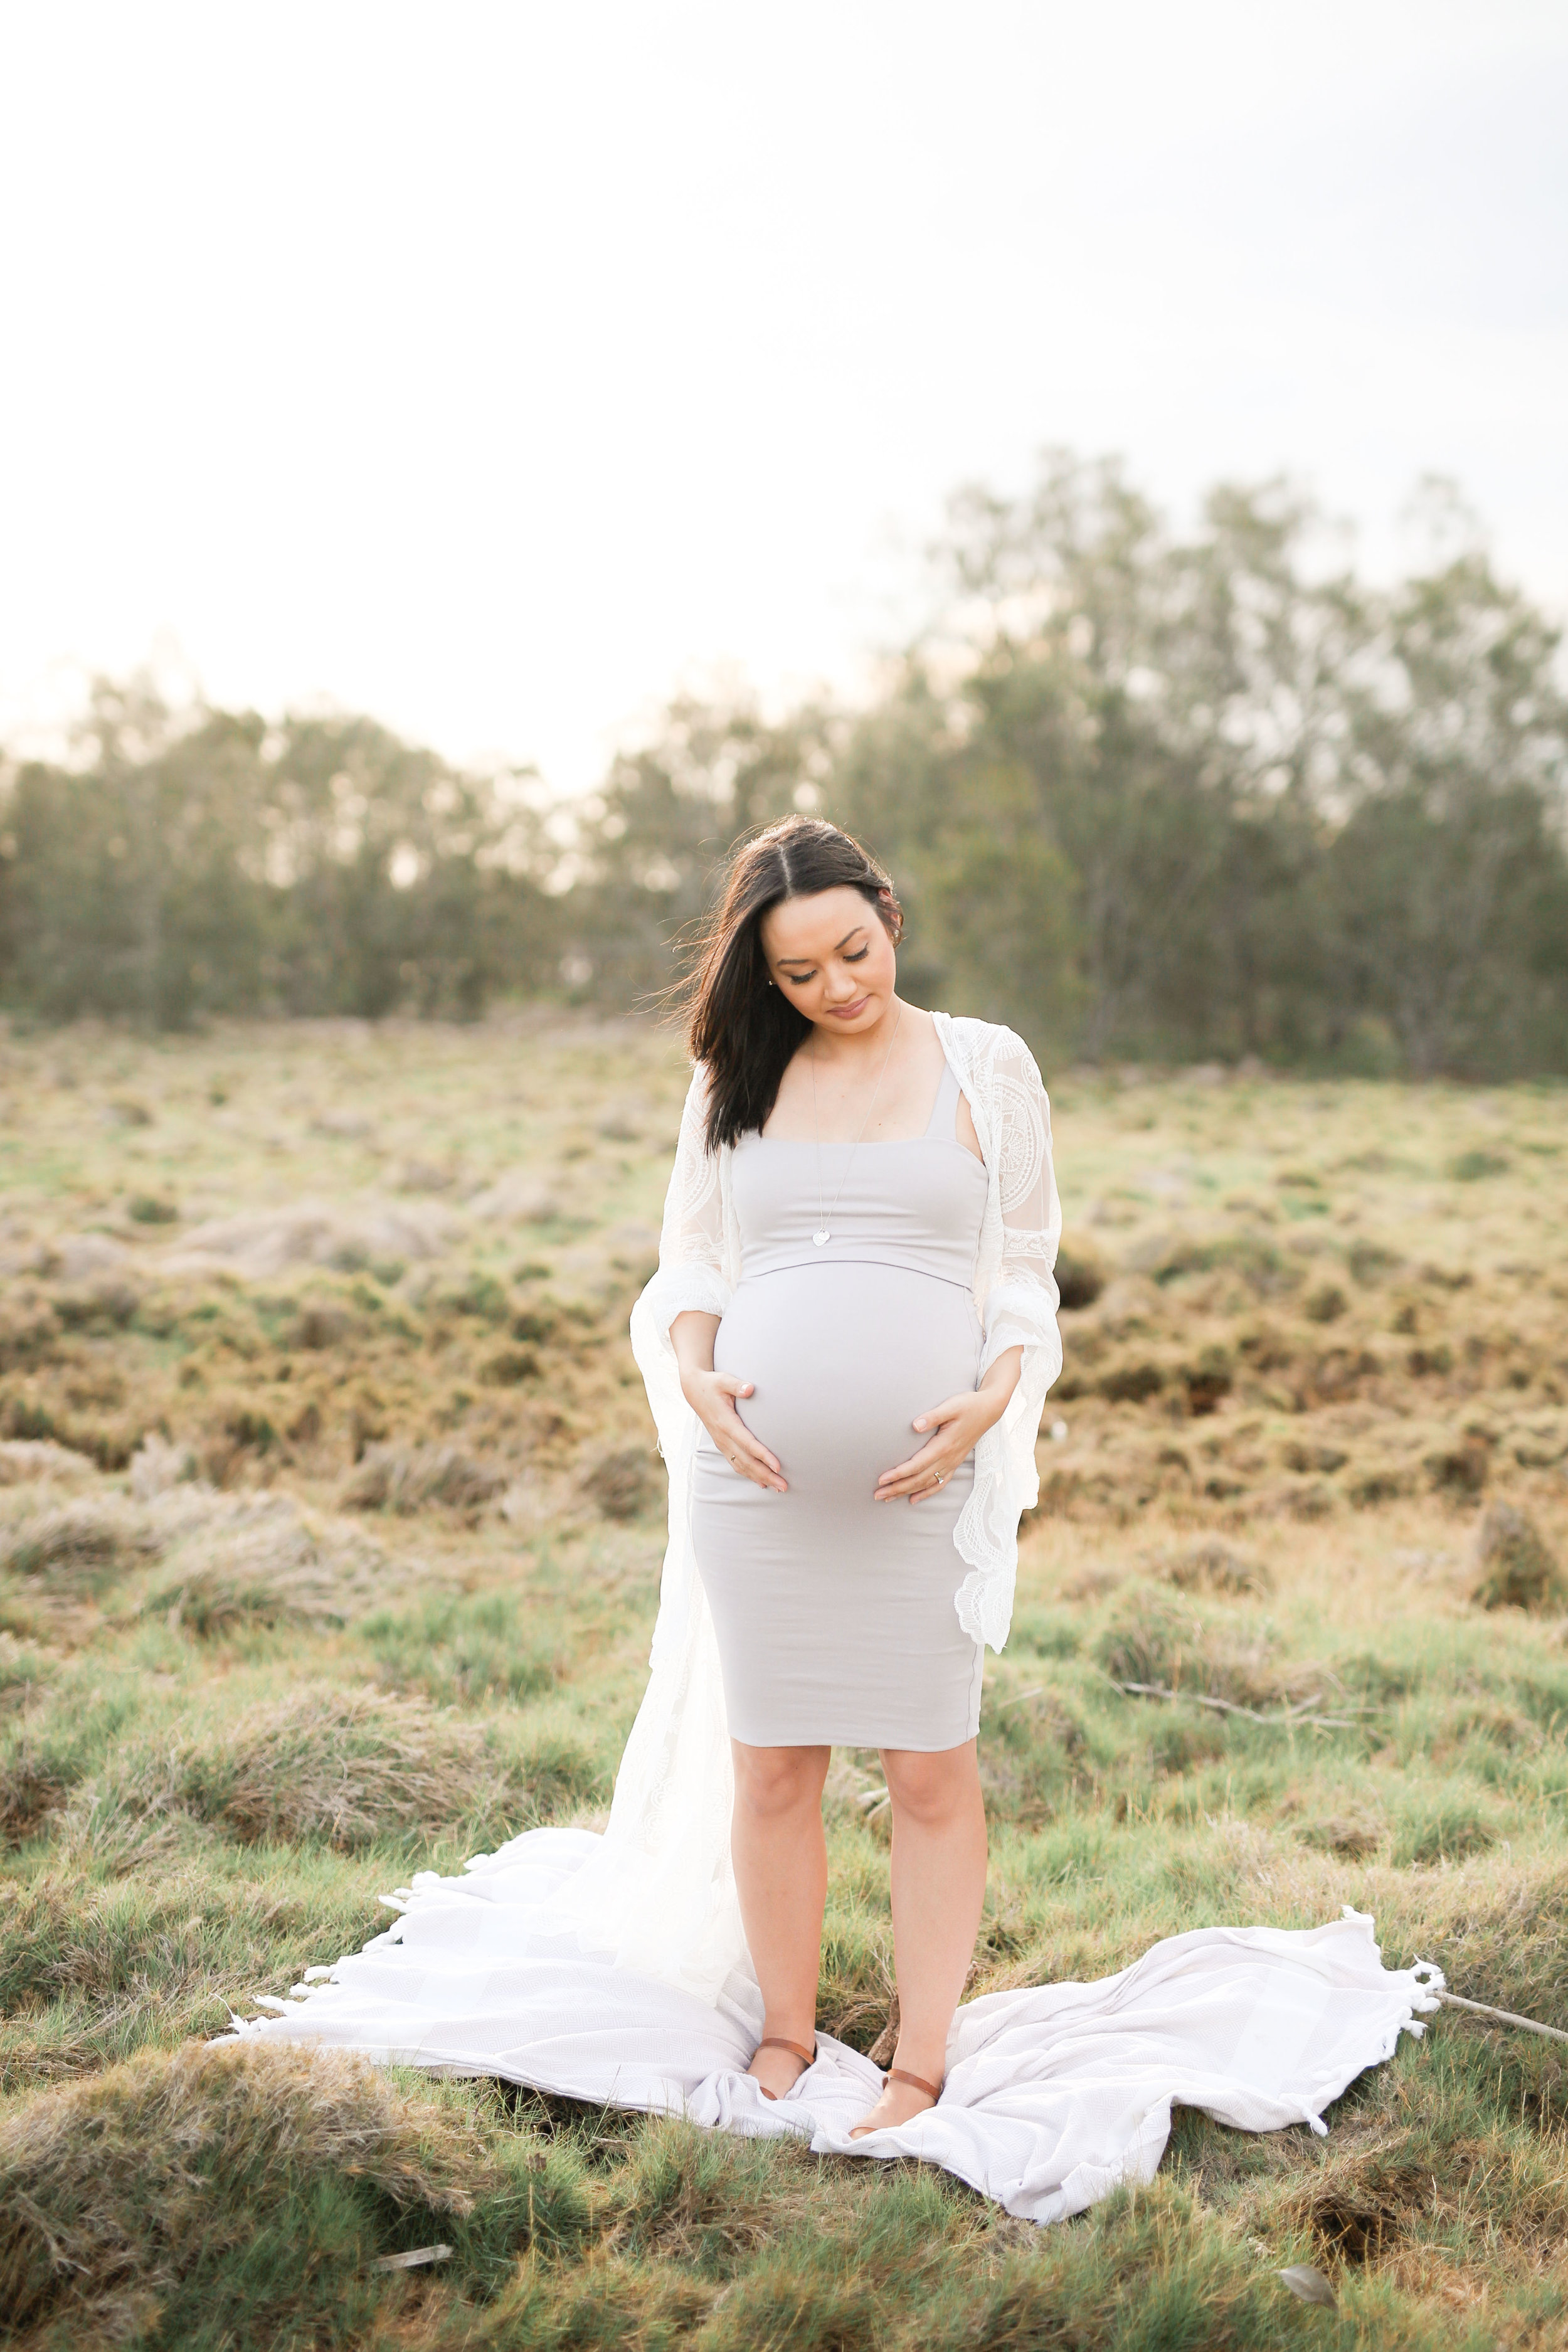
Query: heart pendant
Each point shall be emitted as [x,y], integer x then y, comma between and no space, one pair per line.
[821,1239]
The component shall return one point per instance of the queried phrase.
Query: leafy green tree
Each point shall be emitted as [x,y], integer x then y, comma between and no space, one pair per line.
[648,846]
[1144,793]
[210,864]
[1449,866]
[127,889]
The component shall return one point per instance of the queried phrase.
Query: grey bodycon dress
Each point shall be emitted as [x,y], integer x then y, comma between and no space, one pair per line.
[835,1612]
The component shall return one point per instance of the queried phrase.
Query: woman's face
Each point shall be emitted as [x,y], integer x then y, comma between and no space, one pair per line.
[830,955]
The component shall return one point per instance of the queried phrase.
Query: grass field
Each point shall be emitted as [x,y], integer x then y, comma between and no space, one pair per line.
[329,1530]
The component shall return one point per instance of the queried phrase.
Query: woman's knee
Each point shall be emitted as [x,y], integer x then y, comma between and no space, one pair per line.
[773,1780]
[932,1789]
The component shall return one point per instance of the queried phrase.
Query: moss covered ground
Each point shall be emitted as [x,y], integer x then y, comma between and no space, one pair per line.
[329,1526]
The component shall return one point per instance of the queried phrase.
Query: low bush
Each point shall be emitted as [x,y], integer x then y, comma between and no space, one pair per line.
[352,1767]
[77,1548]
[268,1561]
[1155,1638]
[405,1478]
[1515,1567]
[208,2196]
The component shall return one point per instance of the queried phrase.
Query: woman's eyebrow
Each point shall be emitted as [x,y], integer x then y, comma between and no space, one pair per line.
[842,943]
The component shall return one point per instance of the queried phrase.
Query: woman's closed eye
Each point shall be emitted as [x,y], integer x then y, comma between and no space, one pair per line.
[799,979]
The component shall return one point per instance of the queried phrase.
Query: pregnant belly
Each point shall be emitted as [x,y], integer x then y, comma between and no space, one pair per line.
[843,1357]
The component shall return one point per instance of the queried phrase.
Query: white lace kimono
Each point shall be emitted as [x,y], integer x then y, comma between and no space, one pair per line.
[660,1895]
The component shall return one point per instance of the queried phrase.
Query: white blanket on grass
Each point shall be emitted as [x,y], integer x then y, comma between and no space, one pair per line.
[1055,2094]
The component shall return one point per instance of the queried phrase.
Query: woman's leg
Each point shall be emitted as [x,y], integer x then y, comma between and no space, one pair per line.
[781,1873]
[939,1886]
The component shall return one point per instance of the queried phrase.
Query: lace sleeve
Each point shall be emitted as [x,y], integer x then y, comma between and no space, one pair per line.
[1018,1304]
[1021,1306]
[691,1243]
[692,1277]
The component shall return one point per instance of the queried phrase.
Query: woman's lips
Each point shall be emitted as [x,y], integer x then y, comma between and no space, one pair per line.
[849,1012]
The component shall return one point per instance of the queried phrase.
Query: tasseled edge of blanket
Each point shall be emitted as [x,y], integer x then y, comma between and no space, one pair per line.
[319,1981]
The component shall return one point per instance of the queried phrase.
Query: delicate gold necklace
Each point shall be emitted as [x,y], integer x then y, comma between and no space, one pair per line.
[823,1235]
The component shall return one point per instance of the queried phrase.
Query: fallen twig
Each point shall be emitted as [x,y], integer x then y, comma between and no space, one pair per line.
[1503,2016]
[415,2259]
[1303,1715]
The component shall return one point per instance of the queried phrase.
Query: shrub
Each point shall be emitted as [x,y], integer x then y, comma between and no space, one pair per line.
[24,1460]
[1370,1262]
[626,1483]
[266,1564]
[475,1294]
[48,1752]
[1515,1568]
[1218,1566]
[149,1209]
[320,1323]
[1155,1638]
[1459,1469]
[350,1766]
[1261,1264]
[1131,1383]
[403,1478]
[1469,1167]
[77,1547]
[1351,1837]
[1080,1276]
[224,2194]
[1208,1381]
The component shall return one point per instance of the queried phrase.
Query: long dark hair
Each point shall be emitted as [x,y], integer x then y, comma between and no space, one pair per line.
[743,1031]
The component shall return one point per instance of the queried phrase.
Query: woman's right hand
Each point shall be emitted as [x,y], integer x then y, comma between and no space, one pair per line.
[711,1396]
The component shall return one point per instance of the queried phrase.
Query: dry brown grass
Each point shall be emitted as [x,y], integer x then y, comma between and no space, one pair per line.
[228,1560]
[405,1478]
[347,1766]
[70,1548]
[27,1462]
[271,1560]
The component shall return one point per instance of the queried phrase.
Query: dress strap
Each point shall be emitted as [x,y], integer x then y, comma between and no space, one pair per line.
[942,1126]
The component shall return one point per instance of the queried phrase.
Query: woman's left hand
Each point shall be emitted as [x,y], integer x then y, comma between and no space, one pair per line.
[959,1423]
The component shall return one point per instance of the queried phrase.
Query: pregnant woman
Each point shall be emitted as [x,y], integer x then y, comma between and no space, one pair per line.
[846,1343]
[855,1282]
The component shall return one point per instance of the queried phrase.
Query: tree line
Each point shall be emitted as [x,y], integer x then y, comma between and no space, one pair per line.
[1146,794]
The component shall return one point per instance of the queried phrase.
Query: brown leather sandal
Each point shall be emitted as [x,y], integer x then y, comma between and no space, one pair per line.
[901,2075]
[778,2042]
[897,2075]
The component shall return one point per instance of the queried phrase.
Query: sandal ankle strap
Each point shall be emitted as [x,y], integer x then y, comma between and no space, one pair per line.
[916,2082]
[778,2042]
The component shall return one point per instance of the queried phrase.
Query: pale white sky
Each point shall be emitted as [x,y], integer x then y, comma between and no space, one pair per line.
[498,368]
